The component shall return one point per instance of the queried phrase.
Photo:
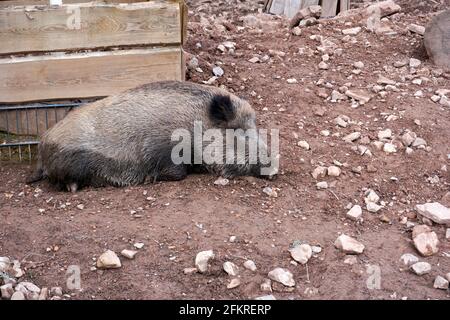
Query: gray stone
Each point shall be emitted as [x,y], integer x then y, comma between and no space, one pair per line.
[301,253]
[6,291]
[202,260]
[18,295]
[348,244]
[282,276]
[409,259]
[108,260]
[355,212]
[440,283]
[421,268]
[230,268]
[434,211]
[250,265]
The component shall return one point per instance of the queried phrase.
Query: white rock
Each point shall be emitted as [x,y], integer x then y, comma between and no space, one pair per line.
[414,63]
[4,264]
[218,71]
[303,144]
[138,245]
[434,211]
[348,244]
[234,283]
[352,31]
[355,212]
[444,101]
[18,296]
[190,270]
[358,64]
[282,276]
[447,234]
[371,196]
[426,242]
[30,287]
[221,181]
[319,172]
[389,148]
[408,138]
[44,294]
[322,185]
[6,291]
[270,192]
[373,207]
[230,268]
[108,260]
[334,171]
[416,29]
[266,285]
[56,292]
[202,260]
[421,268]
[419,142]
[340,122]
[440,283]
[323,66]
[361,96]
[128,253]
[384,134]
[301,253]
[352,137]
[267,297]
[351,260]
[292,81]
[409,259]
[296,31]
[250,265]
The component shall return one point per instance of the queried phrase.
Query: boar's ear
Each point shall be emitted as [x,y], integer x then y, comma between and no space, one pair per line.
[221,109]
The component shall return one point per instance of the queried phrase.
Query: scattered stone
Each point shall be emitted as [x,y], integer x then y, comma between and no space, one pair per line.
[30,287]
[383,8]
[333,171]
[56,292]
[421,268]
[234,283]
[43,295]
[373,207]
[414,28]
[322,185]
[18,295]
[389,148]
[348,244]
[108,260]
[301,253]
[254,60]
[352,31]
[419,142]
[358,65]
[359,95]
[6,291]
[129,254]
[250,265]
[408,138]
[303,144]
[352,137]
[296,31]
[447,234]
[409,259]
[230,268]
[340,122]
[371,196]
[355,212]
[351,260]
[221,181]
[138,245]
[266,285]
[425,240]
[435,211]
[218,71]
[202,260]
[282,276]
[270,192]
[190,270]
[440,283]
[267,297]
[319,172]
[384,134]
[80,206]
[291,81]
[323,65]
[414,63]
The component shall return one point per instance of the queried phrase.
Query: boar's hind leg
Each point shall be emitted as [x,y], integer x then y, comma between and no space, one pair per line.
[172,173]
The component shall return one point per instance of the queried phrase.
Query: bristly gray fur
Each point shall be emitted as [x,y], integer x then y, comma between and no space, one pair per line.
[126,139]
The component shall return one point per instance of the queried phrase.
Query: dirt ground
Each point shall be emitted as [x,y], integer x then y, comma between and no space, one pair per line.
[183,218]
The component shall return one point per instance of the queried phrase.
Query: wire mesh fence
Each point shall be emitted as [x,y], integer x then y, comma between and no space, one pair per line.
[21,126]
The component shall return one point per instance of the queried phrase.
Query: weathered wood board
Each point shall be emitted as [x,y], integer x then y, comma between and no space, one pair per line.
[329,8]
[90,26]
[95,74]
[290,7]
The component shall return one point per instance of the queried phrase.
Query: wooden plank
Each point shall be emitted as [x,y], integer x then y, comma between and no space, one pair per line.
[9,3]
[329,8]
[344,5]
[85,75]
[291,7]
[88,26]
[277,7]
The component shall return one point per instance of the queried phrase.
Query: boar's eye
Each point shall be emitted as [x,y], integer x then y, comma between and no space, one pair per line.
[221,109]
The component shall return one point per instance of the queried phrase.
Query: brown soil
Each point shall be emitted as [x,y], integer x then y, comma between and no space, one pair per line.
[193,215]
